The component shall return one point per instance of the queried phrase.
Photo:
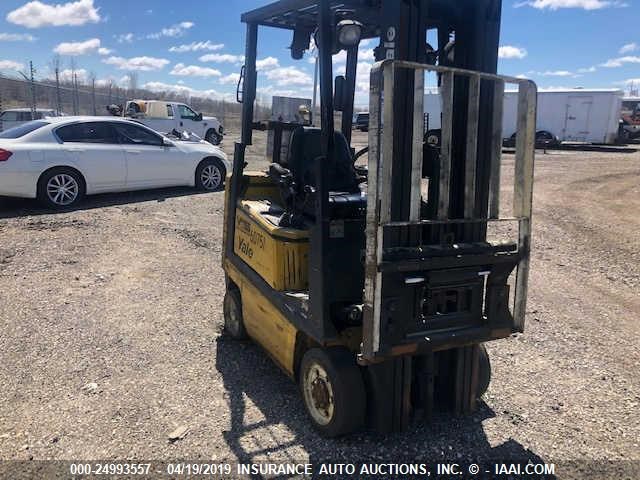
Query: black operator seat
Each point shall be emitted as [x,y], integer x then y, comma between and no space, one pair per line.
[346,199]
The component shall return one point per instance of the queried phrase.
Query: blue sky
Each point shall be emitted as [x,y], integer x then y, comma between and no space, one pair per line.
[196,46]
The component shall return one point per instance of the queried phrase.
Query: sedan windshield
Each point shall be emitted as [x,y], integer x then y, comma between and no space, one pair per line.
[22,130]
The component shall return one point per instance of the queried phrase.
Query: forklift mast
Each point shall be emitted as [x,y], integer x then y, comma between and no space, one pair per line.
[428,278]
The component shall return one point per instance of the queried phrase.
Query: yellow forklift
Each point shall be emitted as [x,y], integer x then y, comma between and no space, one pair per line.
[375,286]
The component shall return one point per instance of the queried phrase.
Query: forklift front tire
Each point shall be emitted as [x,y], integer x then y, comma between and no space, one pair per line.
[333,391]
[232,310]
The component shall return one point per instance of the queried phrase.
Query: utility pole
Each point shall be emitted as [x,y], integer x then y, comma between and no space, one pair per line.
[76,96]
[32,84]
[55,64]
[93,94]
[73,94]
[58,96]
[32,72]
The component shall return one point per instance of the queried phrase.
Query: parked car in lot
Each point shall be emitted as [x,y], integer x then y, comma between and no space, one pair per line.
[15,117]
[165,117]
[544,139]
[629,125]
[361,121]
[60,160]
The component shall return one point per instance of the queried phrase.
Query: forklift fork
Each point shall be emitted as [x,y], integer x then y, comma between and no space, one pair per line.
[435,288]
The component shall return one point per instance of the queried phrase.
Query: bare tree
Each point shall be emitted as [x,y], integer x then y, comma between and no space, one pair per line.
[74,83]
[133,84]
[92,82]
[31,82]
[55,68]
[110,91]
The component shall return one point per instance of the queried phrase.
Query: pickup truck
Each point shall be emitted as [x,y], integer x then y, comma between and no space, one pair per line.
[630,119]
[165,117]
[18,116]
[361,121]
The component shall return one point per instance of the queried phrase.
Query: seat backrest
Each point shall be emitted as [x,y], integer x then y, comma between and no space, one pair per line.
[306,146]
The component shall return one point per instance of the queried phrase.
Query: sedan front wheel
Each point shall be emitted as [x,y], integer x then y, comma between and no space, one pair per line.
[210,175]
[60,188]
[213,137]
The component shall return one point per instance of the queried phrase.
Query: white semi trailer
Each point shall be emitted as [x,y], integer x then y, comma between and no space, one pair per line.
[577,115]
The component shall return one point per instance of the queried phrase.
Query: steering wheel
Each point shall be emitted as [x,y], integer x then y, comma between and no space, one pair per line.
[360,153]
[361,170]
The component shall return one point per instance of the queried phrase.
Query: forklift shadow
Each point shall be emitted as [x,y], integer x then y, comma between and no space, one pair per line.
[22,207]
[269,425]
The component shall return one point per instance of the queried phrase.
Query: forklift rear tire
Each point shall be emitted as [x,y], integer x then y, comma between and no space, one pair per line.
[232,311]
[333,391]
[484,371]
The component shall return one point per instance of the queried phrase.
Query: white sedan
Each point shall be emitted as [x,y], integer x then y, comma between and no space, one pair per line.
[60,160]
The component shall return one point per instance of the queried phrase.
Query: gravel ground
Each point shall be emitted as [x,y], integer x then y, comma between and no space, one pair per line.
[111,320]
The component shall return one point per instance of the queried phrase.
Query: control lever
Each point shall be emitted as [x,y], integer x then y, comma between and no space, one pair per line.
[283,177]
[240,87]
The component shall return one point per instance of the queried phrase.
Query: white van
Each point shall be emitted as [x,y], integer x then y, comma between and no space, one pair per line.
[574,115]
[15,117]
[165,117]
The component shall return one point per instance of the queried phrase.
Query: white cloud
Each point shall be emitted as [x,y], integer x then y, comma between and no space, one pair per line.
[176,30]
[16,37]
[124,81]
[37,14]
[104,51]
[144,64]
[583,4]
[287,76]
[620,61]
[366,55]
[10,65]
[555,88]
[231,79]
[628,48]
[185,90]
[197,46]
[222,58]
[78,48]
[271,91]
[66,75]
[183,70]
[556,73]
[341,57]
[363,76]
[124,38]
[587,70]
[267,63]
[509,52]
[105,82]
[550,73]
